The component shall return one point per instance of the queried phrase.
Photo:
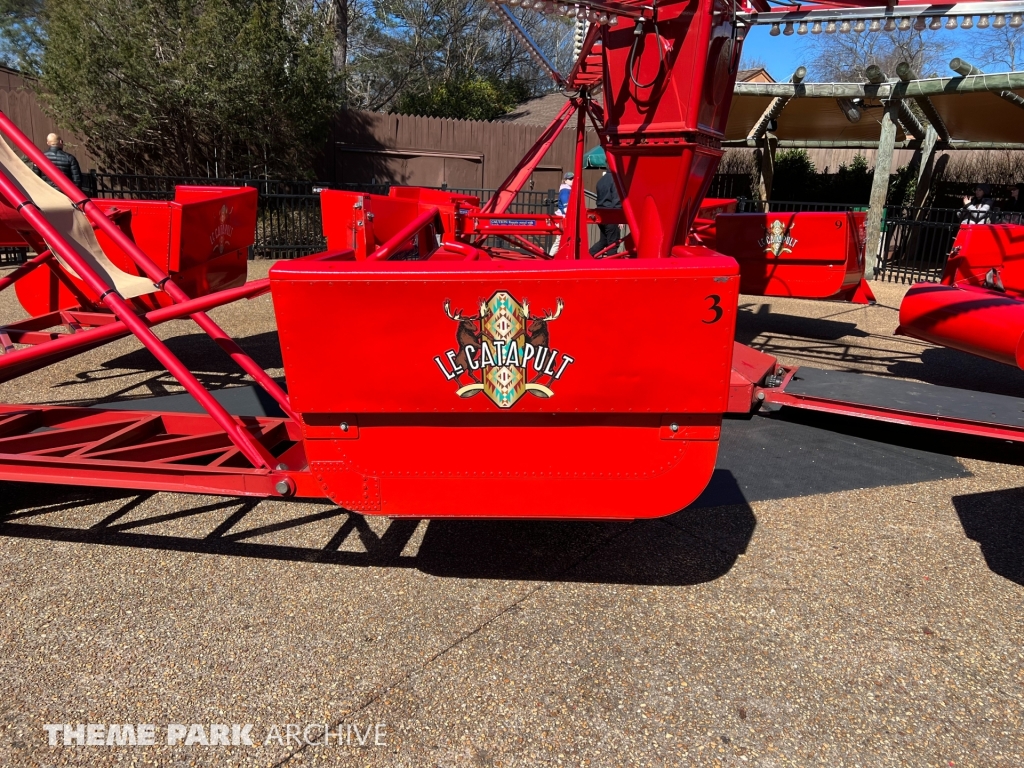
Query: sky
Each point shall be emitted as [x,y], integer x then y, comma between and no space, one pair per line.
[784,54]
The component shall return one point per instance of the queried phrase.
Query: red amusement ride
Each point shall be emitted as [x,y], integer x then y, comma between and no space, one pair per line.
[484,380]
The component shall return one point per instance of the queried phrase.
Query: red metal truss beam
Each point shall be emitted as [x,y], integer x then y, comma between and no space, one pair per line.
[147,450]
[506,193]
[579,69]
[574,234]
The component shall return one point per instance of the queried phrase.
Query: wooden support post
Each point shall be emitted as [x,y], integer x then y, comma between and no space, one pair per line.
[906,74]
[766,163]
[926,168]
[775,108]
[880,187]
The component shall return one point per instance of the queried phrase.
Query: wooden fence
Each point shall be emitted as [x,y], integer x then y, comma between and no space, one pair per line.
[20,103]
[372,148]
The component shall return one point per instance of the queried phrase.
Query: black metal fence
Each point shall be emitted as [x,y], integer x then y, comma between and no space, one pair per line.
[13,255]
[791,206]
[288,223]
[916,243]
[729,185]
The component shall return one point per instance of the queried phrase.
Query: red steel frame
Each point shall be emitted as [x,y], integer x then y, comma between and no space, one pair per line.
[662,143]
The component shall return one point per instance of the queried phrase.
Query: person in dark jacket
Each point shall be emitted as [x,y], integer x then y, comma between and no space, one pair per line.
[65,161]
[607,197]
[1013,209]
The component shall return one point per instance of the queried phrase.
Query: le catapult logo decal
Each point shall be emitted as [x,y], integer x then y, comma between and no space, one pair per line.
[777,239]
[221,234]
[504,351]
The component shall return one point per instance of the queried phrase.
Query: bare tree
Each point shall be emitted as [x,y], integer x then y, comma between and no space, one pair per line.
[843,58]
[401,47]
[999,49]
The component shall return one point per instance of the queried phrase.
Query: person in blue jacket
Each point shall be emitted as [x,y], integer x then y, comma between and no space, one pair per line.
[563,205]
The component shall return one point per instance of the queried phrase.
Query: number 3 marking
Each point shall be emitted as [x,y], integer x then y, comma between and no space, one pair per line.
[715,299]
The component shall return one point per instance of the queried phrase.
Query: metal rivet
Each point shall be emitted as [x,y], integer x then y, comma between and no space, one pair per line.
[344,426]
[282,467]
[760,395]
[674,427]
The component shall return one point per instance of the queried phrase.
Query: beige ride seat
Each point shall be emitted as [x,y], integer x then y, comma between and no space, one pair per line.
[72,225]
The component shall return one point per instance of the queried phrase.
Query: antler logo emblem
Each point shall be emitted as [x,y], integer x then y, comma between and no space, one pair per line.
[777,239]
[503,351]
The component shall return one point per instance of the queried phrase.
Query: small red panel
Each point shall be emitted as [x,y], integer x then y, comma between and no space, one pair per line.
[803,255]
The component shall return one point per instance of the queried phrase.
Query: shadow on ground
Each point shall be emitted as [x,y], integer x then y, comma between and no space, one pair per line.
[211,366]
[751,323]
[691,547]
[996,521]
[952,368]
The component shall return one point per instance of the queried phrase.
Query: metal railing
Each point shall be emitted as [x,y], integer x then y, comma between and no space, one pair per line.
[744,205]
[729,185]
[916,243]
[13,255]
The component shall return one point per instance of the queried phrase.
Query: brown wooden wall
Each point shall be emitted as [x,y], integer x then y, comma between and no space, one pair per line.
[19,102]
[427,151]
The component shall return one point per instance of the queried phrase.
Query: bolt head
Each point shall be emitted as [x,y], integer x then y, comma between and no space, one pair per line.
[344,426]
[283,487]
[674,427]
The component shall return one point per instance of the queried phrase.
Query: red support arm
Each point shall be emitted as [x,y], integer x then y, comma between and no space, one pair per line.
[510,187]
[574,243]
